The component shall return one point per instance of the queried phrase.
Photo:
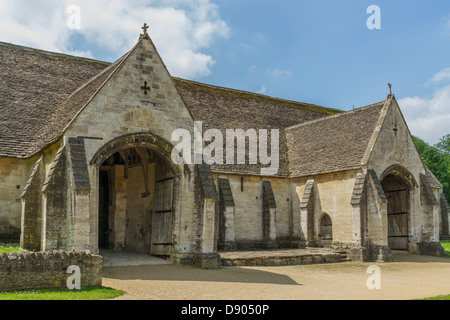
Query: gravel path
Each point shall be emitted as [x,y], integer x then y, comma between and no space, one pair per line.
[409,277]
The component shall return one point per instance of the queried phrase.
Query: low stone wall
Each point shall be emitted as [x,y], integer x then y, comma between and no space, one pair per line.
[47,270]
[280,258]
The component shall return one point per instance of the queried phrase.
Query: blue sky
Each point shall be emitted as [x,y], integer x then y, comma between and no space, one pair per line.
[315,51]
[329,55]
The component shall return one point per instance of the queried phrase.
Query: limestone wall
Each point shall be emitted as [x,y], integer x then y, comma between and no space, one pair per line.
[285,211]
[333,197]
[130,213]
[139,209]
[333,194]
[30,185]
[248,214]
[14,174]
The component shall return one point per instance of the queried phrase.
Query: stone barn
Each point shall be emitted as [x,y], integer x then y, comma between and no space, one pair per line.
[86,163]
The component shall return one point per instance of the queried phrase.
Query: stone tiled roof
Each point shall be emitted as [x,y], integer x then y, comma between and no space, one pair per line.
[64,113]
[223,108]
[332,144]
[432,180]
[33,84]
[40,99]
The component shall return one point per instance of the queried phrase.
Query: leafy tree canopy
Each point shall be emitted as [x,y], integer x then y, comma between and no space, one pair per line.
[437,159]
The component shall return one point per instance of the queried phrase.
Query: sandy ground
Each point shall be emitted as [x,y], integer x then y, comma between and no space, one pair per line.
[409,277]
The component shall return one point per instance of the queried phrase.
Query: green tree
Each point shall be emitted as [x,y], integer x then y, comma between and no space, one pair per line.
[444,145]
[437,159]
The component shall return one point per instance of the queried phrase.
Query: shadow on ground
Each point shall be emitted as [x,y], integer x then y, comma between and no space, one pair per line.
[404,256]
[143,267]
[187,273]
[135,266]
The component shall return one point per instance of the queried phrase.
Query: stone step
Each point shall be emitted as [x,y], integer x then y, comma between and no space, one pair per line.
[280,258]
[445,238]
[345,257]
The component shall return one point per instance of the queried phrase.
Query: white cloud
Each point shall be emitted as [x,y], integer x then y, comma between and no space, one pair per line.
[277,73]
[442,75]
[263,90]
[445,26]
[180,29]
[429,118]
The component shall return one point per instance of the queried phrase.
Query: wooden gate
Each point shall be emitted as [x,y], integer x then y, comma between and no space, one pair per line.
[397,213]
[161,243]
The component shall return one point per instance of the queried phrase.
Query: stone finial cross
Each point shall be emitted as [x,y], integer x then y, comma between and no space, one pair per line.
[145,87]
[145,28]
[390,88]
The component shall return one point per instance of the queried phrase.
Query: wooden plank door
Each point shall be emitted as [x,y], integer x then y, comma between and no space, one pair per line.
[397,211]
[161,242]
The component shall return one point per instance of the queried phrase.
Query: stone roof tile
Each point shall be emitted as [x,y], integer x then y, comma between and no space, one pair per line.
[332,144]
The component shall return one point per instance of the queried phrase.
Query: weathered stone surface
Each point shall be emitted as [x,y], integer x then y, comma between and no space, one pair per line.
[431,249]
[207,260]
[47,270]
[280,258]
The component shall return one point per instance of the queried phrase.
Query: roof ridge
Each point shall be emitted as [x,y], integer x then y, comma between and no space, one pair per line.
[107,69]
[258,95]
[336,115]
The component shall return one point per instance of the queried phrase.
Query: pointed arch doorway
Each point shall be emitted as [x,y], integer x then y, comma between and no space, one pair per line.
[397,184]
[137,193]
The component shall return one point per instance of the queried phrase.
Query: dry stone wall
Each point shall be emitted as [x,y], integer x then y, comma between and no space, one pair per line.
[47,270]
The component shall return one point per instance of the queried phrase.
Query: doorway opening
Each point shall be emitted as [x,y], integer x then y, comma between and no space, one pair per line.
[397,194]
[136,203]
[103,214]
[326,231]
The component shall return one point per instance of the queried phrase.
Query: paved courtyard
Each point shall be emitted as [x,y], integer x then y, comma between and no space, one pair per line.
[409,277]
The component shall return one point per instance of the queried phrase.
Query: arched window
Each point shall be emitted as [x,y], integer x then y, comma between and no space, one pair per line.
[326,230]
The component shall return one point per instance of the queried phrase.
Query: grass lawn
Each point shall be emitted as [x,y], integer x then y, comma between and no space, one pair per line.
[89,293]
[10,247]
[446,245]
[439,298]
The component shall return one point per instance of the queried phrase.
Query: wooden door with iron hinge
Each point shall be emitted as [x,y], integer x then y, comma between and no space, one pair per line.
[162,217]
[397,214]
